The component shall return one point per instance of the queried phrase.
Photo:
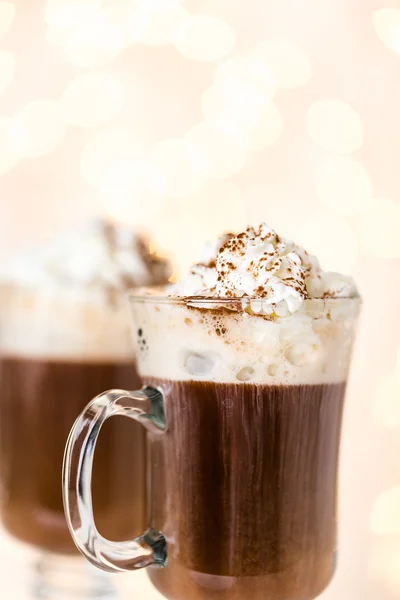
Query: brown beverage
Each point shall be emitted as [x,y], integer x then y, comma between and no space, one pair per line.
[245,490]
[246,362]
[39,403]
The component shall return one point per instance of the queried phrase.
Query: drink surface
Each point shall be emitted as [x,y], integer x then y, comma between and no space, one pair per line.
[244,488]
[40,401]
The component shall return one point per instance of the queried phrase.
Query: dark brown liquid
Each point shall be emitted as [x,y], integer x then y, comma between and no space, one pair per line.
[39,403]
[244,488]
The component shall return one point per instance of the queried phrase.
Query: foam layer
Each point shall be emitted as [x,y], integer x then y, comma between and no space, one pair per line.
[257,308]
[67,299]
[200,340]
[68,327]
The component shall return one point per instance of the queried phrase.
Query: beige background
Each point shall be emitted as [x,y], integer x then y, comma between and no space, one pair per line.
[321,99]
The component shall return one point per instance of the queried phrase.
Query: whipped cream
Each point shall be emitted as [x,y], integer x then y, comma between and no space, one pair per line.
[66,299]
[101,255]
[259,264]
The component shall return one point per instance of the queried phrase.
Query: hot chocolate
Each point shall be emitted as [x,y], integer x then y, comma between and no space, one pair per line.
[246,364]
[244,481]
[63,339]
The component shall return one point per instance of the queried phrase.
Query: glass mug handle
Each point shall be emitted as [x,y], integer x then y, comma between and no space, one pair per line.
[150,548]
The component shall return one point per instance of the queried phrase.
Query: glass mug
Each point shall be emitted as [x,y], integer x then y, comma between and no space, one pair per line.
[59,348]
[243,418]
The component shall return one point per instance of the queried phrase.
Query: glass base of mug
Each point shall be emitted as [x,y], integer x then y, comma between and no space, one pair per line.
[58,577]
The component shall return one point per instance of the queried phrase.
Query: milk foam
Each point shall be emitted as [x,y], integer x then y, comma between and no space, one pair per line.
[66,299]
[193,340]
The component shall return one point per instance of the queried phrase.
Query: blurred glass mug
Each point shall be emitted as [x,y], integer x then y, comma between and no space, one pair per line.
[243,418]
[64,337]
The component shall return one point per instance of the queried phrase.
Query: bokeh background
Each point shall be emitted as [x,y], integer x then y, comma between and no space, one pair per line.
[185,118]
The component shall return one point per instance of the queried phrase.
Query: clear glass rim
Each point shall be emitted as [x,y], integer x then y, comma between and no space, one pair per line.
[143,297]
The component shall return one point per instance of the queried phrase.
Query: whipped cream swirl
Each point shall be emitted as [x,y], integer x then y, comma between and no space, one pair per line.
[259,265]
